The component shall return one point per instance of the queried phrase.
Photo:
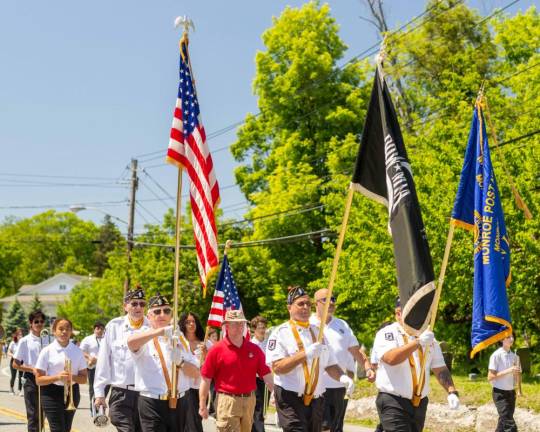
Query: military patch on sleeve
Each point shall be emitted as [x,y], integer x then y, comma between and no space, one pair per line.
[271,344]
[389,336]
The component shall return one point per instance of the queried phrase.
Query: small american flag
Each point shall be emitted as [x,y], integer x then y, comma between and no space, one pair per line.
[225,296]
[188,150]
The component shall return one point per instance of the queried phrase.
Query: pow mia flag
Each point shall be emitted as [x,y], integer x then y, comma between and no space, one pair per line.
[383,173]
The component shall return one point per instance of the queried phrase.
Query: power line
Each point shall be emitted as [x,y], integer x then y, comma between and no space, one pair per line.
[325,232]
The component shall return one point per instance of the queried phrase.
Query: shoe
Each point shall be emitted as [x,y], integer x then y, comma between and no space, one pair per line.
[11,392]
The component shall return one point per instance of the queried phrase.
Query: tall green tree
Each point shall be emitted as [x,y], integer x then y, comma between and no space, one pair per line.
[308,107]
[15,318]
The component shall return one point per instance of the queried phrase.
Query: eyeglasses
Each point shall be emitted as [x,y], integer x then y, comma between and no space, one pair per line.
[166,311]
[323,300]
[190,322]
[303,304]
[38,322]
[137,303]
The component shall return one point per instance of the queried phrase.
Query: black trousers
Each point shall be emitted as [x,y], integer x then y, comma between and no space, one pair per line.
[335,405]
[193,419]
[156,416]
[30,390]
[258,414]
[14,375]
[398,414]
[505,402]
[123,410]
[52,400]
[294,416]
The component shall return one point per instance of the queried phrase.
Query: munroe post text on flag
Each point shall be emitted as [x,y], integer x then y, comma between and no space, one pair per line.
[478,208]
[188,150]
[383,173]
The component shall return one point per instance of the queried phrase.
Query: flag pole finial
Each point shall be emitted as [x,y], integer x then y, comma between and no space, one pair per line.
[228,245]
[185,22]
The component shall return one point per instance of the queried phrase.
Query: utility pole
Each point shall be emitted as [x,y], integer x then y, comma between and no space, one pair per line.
[131,218]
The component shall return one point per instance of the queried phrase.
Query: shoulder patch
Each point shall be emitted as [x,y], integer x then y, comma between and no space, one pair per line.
[389,336]
[271,344]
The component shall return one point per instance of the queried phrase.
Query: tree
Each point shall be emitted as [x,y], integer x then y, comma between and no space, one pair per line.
[308,107]
[36,304]
[15,318]
[109,238]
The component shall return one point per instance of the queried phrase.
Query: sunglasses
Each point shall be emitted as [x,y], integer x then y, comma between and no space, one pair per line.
[38,322]
[323,300]
[166,311]
[136,303]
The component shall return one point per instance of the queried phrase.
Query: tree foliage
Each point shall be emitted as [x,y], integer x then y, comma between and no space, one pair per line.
[15,318]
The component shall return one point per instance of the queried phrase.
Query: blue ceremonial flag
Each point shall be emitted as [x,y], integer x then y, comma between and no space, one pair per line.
[478,208]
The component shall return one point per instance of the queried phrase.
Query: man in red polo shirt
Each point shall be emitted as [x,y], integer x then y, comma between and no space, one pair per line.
[233,364]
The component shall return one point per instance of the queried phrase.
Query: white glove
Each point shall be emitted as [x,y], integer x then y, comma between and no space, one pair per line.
[426,338]
[314,350]
[453,401]
[349,384]
[168,332]
[177,356]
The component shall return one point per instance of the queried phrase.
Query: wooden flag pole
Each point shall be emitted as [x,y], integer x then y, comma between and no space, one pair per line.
[522,205]
[435,307]
[339,246]
[174,375]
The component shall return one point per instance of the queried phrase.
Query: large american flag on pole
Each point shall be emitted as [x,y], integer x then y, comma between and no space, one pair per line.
[188,150]
[225,296]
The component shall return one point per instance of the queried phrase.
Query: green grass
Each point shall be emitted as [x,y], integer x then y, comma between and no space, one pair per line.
[471,393]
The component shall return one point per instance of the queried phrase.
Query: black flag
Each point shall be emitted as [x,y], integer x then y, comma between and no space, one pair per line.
[383,173]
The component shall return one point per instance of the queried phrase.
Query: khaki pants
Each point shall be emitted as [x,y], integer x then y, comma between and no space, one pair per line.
[234,413]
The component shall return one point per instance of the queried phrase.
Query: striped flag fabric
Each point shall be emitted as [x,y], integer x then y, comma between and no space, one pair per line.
[225,296]
[189,150]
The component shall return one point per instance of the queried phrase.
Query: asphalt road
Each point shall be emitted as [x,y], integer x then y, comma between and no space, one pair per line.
[13,413]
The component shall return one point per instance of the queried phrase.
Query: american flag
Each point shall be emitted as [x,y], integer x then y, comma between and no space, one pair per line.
[188,150]
[225,296]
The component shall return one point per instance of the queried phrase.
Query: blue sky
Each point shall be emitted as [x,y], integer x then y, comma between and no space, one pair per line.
[86,86]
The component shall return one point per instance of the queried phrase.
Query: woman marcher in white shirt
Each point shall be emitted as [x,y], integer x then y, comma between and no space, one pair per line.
[17,335]
[52,376]
[190,325]
[502,367]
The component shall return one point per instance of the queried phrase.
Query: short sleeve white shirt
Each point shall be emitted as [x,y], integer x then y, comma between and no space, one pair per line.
[397,379]
[340,338]
[52,359]
[29,348]
[90,346]
[282,343]
[261,344]
[12,347]
[115,363]
[149,372]
[499,361]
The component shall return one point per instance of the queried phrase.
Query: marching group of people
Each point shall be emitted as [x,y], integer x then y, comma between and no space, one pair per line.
[164,379]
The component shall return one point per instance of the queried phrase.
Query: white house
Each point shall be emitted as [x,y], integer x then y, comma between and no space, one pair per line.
[51,292]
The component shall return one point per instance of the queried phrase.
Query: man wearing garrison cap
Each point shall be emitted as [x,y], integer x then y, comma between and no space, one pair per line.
[291,351]
[157,352]
[114,365]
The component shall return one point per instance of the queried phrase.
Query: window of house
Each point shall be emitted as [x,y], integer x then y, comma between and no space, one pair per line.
[62,287]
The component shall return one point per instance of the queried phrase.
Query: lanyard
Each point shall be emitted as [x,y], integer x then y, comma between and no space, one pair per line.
[418,384]
[307,378]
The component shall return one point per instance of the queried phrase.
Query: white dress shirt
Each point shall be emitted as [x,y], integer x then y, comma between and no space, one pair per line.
[52,359]
[90,346]
[29,348]
[115,363]
[149,373]
[499,361]
[340,338]
[282,343]
[397,379]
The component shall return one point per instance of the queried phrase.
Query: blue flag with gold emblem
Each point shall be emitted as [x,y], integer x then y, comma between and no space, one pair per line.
[478,208]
